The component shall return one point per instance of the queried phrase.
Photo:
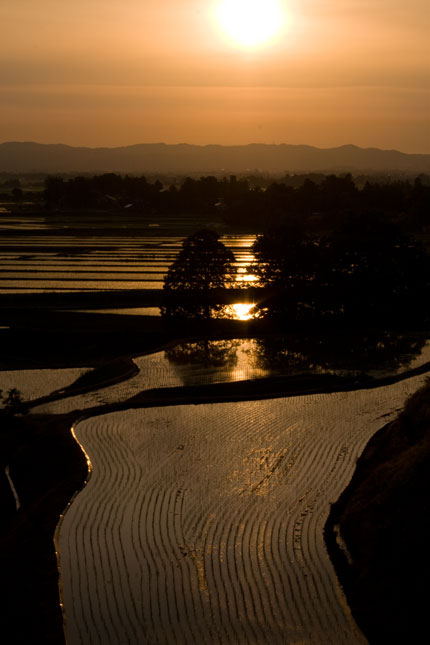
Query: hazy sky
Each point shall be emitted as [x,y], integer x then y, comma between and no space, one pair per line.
[117,72]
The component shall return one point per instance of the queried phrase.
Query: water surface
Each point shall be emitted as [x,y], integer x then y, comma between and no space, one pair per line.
[204,524]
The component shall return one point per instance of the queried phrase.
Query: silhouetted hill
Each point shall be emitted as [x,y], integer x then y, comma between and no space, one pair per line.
[150,157]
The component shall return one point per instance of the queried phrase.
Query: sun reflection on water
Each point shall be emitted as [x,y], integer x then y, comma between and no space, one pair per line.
[246,277]
[242,311]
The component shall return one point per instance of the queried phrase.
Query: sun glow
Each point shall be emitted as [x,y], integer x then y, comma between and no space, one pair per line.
[242,311]
[251,23]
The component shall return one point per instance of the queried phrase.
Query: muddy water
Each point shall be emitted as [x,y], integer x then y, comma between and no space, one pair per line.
[204,524]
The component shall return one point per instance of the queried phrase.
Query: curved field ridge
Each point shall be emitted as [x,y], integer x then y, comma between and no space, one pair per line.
[204,524]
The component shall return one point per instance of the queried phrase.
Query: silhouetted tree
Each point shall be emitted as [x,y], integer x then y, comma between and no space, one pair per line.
[374,268]
[288,265]
[365,270]
[202,265]
[13,402]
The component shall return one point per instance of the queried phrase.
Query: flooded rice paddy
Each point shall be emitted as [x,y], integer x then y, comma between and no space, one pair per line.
[35,383]
[189,364]
[223,361]
[204,523]
[61,263]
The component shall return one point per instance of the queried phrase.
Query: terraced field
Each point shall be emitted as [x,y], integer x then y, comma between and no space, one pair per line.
[204,524]
[59,263]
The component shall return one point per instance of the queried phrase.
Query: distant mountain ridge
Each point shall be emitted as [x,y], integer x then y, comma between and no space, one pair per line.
[183,158]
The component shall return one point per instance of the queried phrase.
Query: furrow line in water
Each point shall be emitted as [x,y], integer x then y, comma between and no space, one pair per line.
[98,605]
[214,537]
[249,590]
[118,488]
[269,570]
[297,522]
[332,617]
[213,602]
[138,557]
[91,544]
[316,588]
[122,529]
[174,600]
[168,582]
[147,598]
[261,586]
[292,568]
[211,585]
[238,586]
[155,618]
[281,566]
[165,628]
[159,579]
[303,561]
[112,486]
[186,571]
[186,614]
[197,544]
[75,616]
[260,568]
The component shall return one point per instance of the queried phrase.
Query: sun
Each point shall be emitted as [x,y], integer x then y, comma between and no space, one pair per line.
[249,24]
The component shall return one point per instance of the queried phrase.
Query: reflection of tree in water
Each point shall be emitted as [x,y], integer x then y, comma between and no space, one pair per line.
[193,310]
[355,352]
[210,355]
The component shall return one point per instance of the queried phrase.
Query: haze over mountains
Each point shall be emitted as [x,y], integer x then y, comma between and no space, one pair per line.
[183,158]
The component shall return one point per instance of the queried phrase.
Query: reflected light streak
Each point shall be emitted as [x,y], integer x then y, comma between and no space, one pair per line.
[248,277]
[242,310]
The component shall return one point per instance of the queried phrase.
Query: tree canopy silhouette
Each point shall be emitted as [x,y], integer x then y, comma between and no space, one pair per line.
[366,269]
[203,265]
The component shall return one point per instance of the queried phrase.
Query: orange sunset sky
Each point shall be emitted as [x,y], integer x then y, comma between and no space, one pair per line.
[118,72]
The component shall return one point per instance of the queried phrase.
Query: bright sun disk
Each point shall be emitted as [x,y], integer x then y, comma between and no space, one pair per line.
[251,23]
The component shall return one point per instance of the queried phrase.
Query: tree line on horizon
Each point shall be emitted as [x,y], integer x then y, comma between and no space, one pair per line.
[242,202]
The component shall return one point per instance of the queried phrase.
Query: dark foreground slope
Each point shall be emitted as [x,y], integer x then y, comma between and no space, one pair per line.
[384,520]
[47,468]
